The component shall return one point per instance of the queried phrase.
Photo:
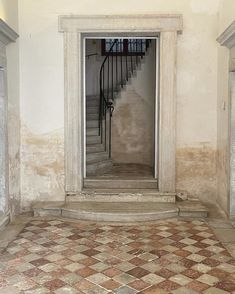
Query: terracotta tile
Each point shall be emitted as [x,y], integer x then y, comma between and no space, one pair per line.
[137,261]
[49,244]
[168,285]
[191,273]
[226,285]
[211,262]
[111,272]
[159,253]
[74,237]
[33,272]
[183,253]
[139,285]
[110,284]
[88,261]
[187,262]
[138,272]
[40,261]
[85,272]
[220,274]
[84,285]
[197,286]
[205,252]
[54,284]
[165,273]
[90,252]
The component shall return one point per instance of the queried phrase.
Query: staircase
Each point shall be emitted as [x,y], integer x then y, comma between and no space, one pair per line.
[116,69]
[97,159]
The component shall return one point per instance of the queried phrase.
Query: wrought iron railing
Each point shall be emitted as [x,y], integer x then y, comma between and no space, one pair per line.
[117,67]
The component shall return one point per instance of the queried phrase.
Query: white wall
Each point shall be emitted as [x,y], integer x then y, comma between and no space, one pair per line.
[41,90]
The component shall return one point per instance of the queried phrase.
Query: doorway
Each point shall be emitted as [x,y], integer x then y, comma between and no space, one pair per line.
[121,103]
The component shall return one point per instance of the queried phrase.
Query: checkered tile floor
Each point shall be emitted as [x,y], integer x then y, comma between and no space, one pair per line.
[173,256]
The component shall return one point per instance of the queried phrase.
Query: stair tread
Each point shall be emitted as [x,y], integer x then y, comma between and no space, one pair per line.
[137,179]
[125,190]
[98,161]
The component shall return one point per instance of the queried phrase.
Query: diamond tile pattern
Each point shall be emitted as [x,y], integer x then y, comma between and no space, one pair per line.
[170,256]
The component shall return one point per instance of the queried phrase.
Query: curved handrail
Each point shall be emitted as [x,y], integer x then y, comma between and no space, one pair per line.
[105,104]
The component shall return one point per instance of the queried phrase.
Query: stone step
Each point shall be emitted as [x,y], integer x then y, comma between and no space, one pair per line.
[95,168]
[92,116]
[92,123]
[123,195]
[96,157]
[92,109]
[94,148]
[117,212]
[120,183]
[91,140]
[92,97]
[92,102]
[92,131]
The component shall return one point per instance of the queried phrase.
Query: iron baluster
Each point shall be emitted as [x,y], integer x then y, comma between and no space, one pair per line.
[121,62]
[131,55]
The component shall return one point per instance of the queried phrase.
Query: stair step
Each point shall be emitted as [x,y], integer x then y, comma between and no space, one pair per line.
[121,183]
[116,211]
[92,131]
[92,123]
[94,102]
[91,116]
[94,148]
[96,157]
[92,109]
[90,140]
[99,167]
[92,97]
[123,195]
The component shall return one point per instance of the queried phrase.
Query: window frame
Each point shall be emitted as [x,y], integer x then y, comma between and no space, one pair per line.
[125,52]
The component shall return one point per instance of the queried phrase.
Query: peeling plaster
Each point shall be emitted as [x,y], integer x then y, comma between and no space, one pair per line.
[42,167]
[196,171]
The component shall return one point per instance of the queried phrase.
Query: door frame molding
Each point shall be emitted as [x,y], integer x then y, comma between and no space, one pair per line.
[168,26]
[227,39]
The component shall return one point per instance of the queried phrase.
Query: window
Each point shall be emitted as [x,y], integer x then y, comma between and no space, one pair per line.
[124,46]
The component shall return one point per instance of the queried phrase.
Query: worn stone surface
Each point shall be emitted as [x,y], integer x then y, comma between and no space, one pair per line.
[3,146]
[42,167]
[196,171]
[167,256]
[133,116]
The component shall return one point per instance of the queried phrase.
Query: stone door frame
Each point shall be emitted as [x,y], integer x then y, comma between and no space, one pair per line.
[74,28]
[227,39]
[7,35]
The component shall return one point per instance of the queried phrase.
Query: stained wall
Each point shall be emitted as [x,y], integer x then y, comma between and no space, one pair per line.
[226,16]
[42,92]
[9,13]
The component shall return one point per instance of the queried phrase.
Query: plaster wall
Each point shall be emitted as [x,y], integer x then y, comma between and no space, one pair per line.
[133,117]
[41,90]
[9,13]
[226,16]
